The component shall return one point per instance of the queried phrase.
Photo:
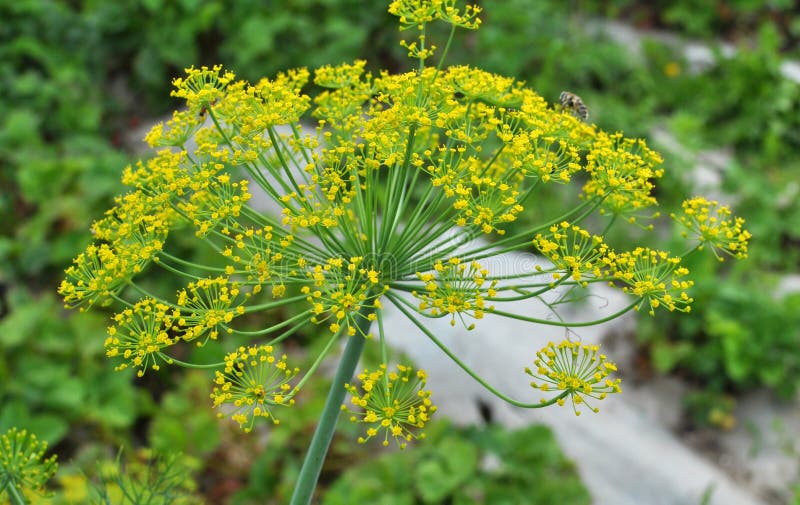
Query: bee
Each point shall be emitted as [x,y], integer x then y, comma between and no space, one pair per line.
[574,103]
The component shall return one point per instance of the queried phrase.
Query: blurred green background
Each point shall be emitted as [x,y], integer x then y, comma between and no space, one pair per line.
[78,76]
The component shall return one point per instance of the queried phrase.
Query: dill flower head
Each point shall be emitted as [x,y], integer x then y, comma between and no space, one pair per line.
[22,466]
[206,305]
[129,238]
[622,171]
[379,186]
[95,276]
[177,130]
[339,291]
[713,224]
[576,371]
[395,403]
[573,251]
[420,12]
[202,86]
[252,384]
[655,277]
[139,335]
[455,289]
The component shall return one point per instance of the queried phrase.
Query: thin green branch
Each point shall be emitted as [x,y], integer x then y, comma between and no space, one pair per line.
[169,359]
[321,356]
[567,324]
[288,322]
[399,304]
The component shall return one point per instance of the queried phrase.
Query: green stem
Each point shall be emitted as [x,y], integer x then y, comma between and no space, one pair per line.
[14,494]
[189,263]
[171,360]
[303,316]
[318,361]
[312,466]
[691,251]
[564,324]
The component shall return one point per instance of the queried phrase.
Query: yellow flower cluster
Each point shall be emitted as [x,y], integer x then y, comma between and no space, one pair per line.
[207,304]
[216,201]
[201,87]
[621,173]
[574,252]
[177,131]
[338,291]
[253,382]
[165,177]
[247,112]
[95,276]
[128,239]
[653,276]
[455,288]
[710,223]
[417,13]
[484,203]
[263,256]
[576,370]
[349,90]
[543,157]
[476,85]
[396,403]
[139,335]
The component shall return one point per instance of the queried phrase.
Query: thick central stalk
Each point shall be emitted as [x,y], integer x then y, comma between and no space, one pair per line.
[315,457]
[14,494]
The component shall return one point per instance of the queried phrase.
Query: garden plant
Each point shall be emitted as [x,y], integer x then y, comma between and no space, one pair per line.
[407,184]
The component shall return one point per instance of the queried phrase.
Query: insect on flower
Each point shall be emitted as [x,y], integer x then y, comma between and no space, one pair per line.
[573,102]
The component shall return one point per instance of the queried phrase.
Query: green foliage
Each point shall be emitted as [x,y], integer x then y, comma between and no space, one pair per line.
[743,337]
[128,38]
[262,41]
[731,19]
[768,196]
[183,421]
[458,466]
[58,168]
[754,89]
[52,376]
[147,480]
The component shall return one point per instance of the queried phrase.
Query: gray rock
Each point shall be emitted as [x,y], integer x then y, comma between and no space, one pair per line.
[625,454]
